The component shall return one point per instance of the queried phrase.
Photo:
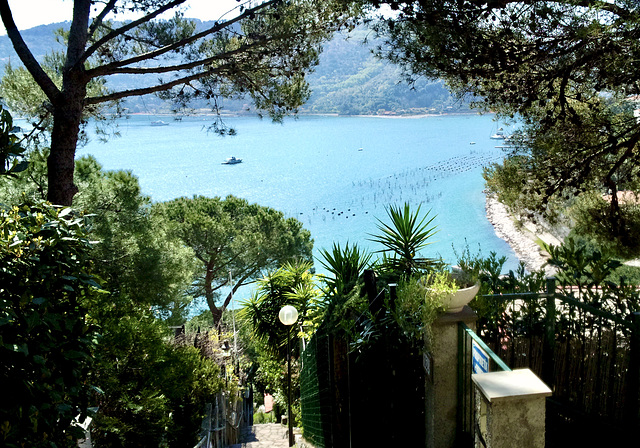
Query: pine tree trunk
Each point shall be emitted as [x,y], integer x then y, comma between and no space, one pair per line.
[68,108]
[217,316]
[67,116]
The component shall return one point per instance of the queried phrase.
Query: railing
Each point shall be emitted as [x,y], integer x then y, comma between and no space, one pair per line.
[221,424]
[474,356]
[522,331]
[317,391]
[588,355]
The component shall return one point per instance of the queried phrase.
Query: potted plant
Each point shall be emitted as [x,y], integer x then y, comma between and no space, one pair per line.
[421,300]
[467,287]
[427,287]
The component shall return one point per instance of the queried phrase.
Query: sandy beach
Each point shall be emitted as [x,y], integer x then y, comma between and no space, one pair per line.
[521,241]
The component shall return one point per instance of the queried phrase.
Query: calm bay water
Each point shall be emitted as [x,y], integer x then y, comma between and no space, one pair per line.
[335,174]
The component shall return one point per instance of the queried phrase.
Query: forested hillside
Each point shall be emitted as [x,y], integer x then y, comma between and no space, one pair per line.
[348,81]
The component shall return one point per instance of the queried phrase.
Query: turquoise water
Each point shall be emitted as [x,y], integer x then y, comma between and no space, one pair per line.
[335,174]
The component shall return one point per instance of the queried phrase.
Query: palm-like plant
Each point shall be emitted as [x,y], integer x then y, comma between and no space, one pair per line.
[403,238]
[292,284]
[346,265]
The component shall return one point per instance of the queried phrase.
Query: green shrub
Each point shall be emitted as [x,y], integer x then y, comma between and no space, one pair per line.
[263,417]
[46,343]
[618,235]
[631,274]
[420,301]
[154,391]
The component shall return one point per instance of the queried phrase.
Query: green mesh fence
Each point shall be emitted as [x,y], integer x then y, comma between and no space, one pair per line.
[316,390]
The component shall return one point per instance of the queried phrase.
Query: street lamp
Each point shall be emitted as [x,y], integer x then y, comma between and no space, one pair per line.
[288,316]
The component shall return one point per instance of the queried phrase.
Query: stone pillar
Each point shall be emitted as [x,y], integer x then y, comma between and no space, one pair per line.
[510,409]
[441,365]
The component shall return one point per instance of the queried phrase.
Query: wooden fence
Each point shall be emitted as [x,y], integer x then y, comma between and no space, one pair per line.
[589,356]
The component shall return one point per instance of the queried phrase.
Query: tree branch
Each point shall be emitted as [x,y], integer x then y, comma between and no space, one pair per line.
[77,34]
[123,29]
[631,146]
[153,89]
[100,17]
[42,79]
[224,268]
[237,285]
[161,51]
[605,6]
[101,71]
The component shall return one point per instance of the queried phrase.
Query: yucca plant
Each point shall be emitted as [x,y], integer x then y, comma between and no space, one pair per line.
[346,265]
[406,234]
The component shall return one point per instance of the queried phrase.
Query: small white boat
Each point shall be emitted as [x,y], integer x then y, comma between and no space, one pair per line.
[499,135]
[232,161]
[159,123]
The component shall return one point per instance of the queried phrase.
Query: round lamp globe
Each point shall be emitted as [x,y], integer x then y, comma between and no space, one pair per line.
[288,315]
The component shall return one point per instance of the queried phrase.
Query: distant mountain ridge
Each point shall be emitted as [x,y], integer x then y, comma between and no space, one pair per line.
[348,81]
[40,39]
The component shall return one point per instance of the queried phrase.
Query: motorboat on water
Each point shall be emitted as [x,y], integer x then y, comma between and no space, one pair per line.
[232,161]
[159,123]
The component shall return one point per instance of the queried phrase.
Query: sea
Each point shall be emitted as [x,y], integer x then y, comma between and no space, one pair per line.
[335,174]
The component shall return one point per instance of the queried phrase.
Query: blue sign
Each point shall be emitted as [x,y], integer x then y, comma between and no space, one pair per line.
[480,363]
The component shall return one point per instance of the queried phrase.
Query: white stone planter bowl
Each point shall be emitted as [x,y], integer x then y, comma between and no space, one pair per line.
[456,301]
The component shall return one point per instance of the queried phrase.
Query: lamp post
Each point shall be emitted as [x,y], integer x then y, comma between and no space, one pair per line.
[288,316]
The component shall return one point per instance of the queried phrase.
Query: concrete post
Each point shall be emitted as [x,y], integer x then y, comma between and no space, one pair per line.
[510,409]
[441,384]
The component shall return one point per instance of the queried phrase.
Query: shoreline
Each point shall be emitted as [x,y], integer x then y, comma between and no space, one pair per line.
[522,242]
[390,116]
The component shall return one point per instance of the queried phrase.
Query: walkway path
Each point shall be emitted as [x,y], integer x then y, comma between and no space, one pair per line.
[265,435]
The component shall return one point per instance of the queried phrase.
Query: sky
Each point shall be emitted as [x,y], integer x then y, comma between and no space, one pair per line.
[30,13]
